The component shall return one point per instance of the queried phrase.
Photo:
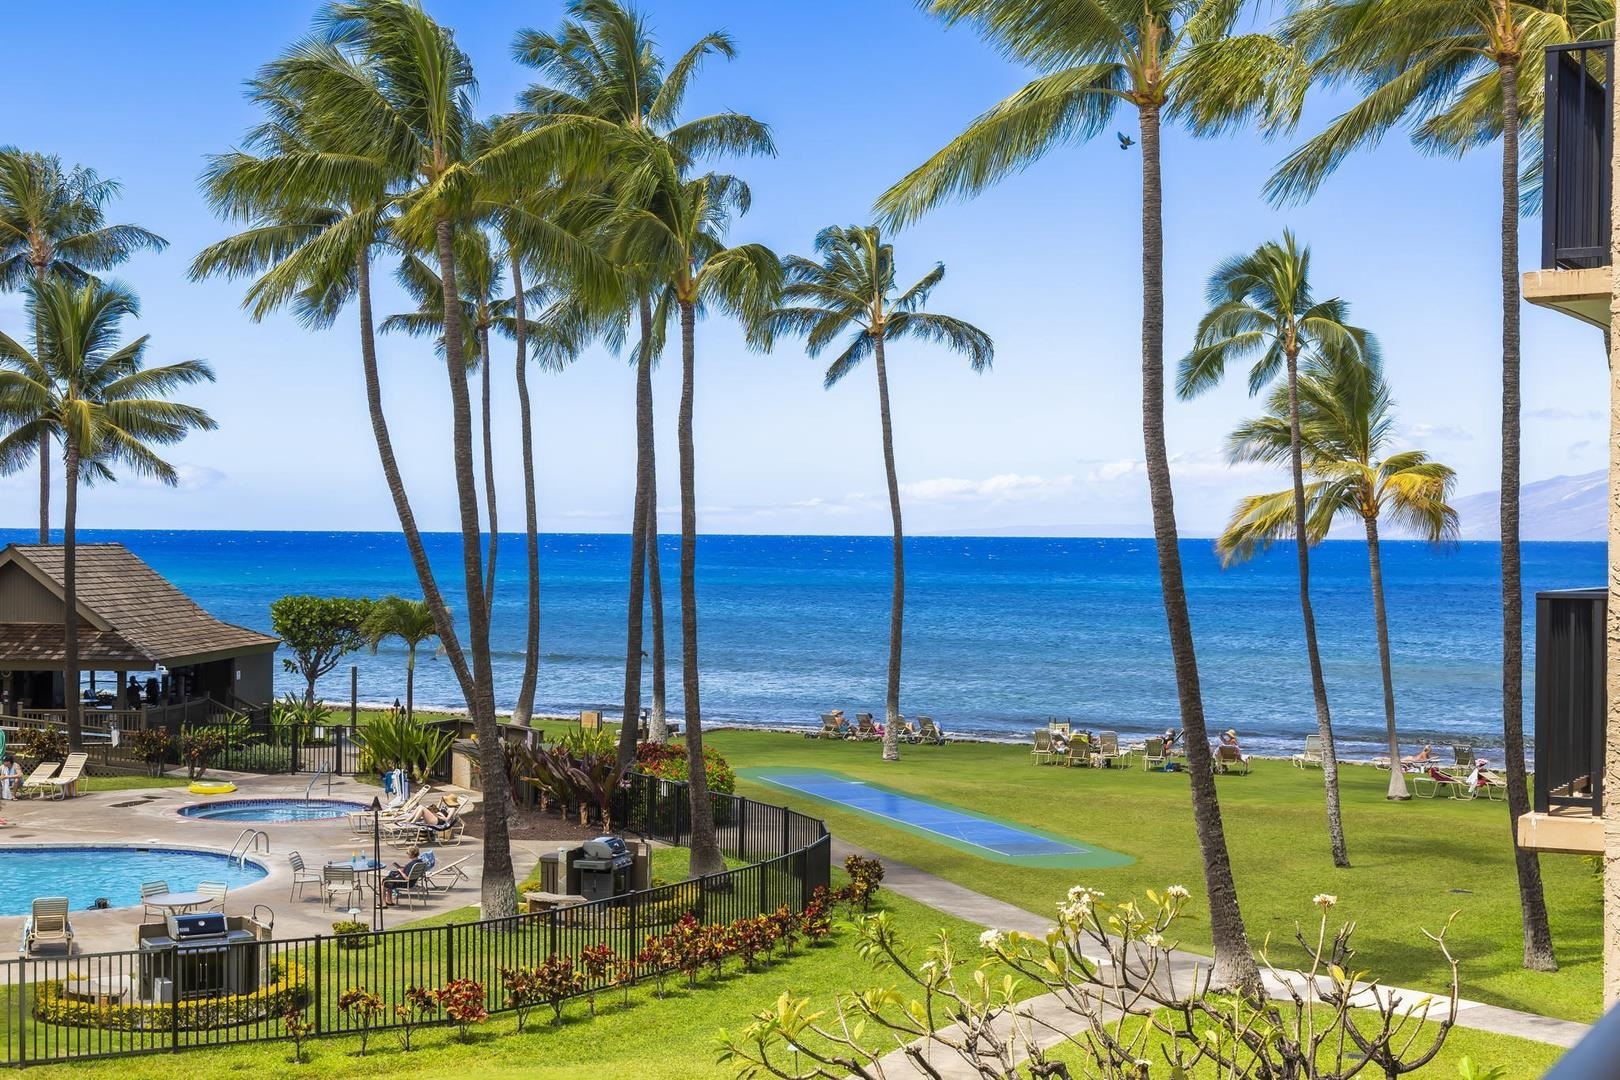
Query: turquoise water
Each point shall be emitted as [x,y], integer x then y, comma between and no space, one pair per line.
[272,809]
[1001,633]
[116,873]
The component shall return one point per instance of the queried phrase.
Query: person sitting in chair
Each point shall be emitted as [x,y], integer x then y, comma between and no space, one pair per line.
[398,876]
[1229,738]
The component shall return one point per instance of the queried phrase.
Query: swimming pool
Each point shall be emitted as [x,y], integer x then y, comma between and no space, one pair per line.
[85,873]
[272,809]
[966,829]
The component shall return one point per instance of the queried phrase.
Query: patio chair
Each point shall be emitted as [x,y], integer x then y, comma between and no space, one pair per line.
[415,886]
[1042,752]
[215,891]
[65,784]
[929,732]
[1311,755]
[1230,759]
[302,875]
[48,924]
[1436,779]
[150,889]
[448,876]
[1108,749]
[1153,755]
[338,881]
[865,728]
[37,781]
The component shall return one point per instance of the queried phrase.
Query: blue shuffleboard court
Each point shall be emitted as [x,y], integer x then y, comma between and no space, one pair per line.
[993,839]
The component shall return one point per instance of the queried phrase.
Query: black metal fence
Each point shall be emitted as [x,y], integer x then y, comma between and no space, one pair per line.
[1571,698]
[176,998]
[1576,137]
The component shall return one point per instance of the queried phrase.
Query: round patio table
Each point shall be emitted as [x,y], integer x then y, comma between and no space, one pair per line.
[177,902]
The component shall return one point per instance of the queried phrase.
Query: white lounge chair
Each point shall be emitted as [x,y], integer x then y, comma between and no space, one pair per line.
[1311,756]
[1153,754]
[38,780]
[1041,753]
[448,876]
[48,925]
[65,784]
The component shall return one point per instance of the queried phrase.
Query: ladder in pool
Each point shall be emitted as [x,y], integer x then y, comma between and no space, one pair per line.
[323,771]
[249,842]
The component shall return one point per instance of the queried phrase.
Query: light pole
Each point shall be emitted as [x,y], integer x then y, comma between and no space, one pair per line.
[376,860]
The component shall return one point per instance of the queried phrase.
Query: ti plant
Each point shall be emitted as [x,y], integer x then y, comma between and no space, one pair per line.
[1103,994]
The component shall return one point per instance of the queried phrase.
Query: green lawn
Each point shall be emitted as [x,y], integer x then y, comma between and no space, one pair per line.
[129,783]
[1413,863]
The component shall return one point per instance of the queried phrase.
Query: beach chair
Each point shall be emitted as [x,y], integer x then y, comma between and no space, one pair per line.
[338,881]
[302,875]
[929,732]
[215,891]
[1229,759]
[37,781]
[1437,780]
[65,784]
[1058,727]
[1463,757]
[1311,755]
[865,728]
[832,726]
[905,731]
[448,876]
[449,831]
[1153,755]
[1488,782]
[48,924]
[150,889]
[1108,749]
[1042,753]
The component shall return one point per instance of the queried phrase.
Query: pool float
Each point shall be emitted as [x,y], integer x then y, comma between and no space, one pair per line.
[211,787]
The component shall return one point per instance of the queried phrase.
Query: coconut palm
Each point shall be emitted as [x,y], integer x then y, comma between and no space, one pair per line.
[1262,308]
[675,227]
[1175,59]
[603,73]
[1345,424]
[1457,74]
[83,387]
[53,225]
[411,621]
[852,288]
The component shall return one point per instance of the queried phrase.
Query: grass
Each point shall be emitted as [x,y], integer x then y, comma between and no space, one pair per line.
[129,783]
[1414,864]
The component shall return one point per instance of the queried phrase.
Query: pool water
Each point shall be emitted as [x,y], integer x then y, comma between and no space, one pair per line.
[272,809]
[86,873]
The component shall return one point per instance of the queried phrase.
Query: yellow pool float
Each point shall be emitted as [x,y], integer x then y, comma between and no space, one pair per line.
[211,787]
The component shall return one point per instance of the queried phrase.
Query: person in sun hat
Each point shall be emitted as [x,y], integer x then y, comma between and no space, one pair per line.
[1229,738]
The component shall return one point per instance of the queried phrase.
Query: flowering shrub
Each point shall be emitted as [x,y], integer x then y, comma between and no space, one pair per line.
[420,1005]
[463,1002]
[596,962]
[667,761]
[365,1007]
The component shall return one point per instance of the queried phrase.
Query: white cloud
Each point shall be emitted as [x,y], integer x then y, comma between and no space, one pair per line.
[1197,465]
[1435,433]
[1559,413]
[1003,486]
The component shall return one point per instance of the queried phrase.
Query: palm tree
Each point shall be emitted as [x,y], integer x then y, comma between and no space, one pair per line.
[82,387]
[1175,58]
[53,225]
[412,622]
[604,75]
[1457,74]
[1262,306]
[677,227]
[1346,422]
[853,288]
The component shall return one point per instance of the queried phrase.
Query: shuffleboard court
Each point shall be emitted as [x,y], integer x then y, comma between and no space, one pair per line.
[991,838]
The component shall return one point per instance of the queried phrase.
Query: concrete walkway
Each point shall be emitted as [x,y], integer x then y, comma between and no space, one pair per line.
[1046,1017]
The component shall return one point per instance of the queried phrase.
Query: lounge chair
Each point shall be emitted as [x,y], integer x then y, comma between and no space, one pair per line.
[65,784]
[929,732]
[1108,748]
[448,876]
[1042,752]
[150,889]
[338,881]
[865,728]
[1489,782]
[302,875]
[448,831]
[832,726]
[1463,757]
[905,732]
[1230,759]
[1311,755]
[1153,755]
[1436,779]
[48,925]
[215,891]
[38,780]
[1058,727]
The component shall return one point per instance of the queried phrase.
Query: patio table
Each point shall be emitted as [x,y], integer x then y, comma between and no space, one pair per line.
[177,902]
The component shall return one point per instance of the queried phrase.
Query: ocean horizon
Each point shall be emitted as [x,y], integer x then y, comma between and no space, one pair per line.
[1002,633]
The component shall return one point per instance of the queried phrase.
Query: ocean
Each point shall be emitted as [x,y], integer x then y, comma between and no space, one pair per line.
[1001,633]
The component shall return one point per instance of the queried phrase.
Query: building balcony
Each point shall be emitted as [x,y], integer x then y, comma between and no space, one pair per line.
[1575,177]
[1571,712]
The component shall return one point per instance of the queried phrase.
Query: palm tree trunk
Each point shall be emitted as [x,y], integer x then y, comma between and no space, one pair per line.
[442,621]
[499,893]
[1538,946]
[1324,720]
[70,596]
[523,709]
[636,598]
[1375,570]
[410,680]
[897,596]
[646,443]
[1234,967]
[706,858]
[44,436]
[489,471]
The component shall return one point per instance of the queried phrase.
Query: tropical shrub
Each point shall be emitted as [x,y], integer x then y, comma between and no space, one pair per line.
[351,934]
[585,780]
[463,1002]
[300,1028]
[420,1006]
[815,922]
[523,992]
[667,761]
[658,957]
[787,927]
[35,745]
[364,1006]
[199,746]
[152,746]
[391,740]
[752,938]
[558,980]
[864,877]
[596,963]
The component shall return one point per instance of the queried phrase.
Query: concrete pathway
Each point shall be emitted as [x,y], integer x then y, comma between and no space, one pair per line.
[1045,1018]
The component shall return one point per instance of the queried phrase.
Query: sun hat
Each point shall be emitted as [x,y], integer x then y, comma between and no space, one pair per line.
[1232,732]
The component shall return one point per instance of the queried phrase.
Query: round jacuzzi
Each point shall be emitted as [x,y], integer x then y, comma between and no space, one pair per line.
[86,874]
[271,809]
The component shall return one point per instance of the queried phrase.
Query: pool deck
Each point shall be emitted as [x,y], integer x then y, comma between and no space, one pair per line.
[150,816]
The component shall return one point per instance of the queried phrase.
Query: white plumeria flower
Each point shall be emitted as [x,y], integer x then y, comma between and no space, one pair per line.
[1324,900]
[990,939]
[1153,941]
[1177,892]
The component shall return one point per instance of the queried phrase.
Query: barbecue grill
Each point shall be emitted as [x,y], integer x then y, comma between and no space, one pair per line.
[604,868]
[198,955]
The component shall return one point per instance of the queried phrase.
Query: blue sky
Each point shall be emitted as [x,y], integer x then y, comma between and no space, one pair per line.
[857,92]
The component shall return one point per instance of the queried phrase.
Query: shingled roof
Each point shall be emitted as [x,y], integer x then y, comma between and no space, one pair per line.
[134,606]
